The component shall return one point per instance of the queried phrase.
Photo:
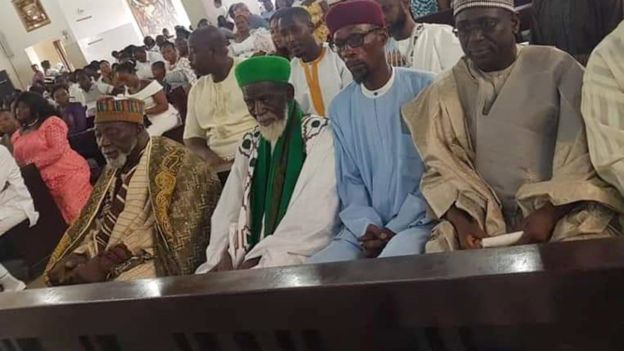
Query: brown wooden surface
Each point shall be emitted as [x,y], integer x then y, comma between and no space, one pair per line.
[565,296]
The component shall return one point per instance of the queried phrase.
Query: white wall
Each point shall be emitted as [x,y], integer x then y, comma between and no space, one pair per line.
[101,26]
[86,27]
[195,10]
[210,11]
[46,51]
[18,39]
[88,18]
[100,46]
[5,65]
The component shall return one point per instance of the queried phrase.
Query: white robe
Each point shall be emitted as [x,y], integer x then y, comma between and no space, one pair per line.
[333,76]
[310,219]
[603,108]
[431,47]
[16,204]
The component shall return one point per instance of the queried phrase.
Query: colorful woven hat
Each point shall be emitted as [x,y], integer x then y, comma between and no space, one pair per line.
[353,12]
[461,5]
[262,69]
[110,109]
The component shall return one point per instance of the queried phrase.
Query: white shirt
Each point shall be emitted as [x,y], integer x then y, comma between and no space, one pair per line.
[14,196]
[91,97]
[217,113]
[259,40]
[333,76]
[154,56]
[221,11]
[184,66]
[104,87]
[144,70]
[76,95]
[431,47]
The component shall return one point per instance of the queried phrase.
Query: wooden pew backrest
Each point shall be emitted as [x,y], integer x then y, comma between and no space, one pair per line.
[563,296]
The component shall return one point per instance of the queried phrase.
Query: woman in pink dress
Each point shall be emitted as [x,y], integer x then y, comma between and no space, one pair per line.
[42,140]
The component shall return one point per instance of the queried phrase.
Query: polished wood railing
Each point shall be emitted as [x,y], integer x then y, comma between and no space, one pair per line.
[564,296]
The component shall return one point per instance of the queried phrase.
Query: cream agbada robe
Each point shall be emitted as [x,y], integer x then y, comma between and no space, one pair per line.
[530,146]
[603,108]
[311,217]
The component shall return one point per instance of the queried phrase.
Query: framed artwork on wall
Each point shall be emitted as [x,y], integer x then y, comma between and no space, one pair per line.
[153,15]
[32,14]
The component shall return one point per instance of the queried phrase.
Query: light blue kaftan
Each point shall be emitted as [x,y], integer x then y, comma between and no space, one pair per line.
[378,168]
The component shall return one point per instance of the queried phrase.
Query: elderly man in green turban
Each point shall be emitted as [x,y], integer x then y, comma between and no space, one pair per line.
[279,204]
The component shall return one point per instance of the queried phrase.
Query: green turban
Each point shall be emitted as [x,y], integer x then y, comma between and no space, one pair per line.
[263,69]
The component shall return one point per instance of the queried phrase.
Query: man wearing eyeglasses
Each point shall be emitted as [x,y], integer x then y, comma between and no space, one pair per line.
[378,169]
[503,139]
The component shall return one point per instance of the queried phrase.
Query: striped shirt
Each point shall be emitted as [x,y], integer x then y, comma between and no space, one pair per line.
[603,108]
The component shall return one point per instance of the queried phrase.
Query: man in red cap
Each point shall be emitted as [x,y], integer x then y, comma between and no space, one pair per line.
[378,169]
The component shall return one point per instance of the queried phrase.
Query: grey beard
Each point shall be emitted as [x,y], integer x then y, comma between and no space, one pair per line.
[275,130]
[121,160]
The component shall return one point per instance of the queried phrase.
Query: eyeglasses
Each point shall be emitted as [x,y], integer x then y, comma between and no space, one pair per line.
[484,25]
[353,41]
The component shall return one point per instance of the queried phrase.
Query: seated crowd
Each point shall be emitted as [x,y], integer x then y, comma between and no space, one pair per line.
[319,134]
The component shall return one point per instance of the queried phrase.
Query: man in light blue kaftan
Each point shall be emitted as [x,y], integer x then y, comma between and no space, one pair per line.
[383,213]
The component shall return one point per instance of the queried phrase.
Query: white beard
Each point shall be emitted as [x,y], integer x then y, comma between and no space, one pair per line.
[117,162]
[121,160]
[275,130]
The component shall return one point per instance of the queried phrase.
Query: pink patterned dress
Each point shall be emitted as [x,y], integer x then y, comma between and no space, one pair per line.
[63,170]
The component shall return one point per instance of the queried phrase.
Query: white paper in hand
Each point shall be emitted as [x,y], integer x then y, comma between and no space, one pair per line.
[501,240]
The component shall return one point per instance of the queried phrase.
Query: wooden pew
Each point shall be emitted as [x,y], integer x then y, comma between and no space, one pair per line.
[34,245]
[564,296]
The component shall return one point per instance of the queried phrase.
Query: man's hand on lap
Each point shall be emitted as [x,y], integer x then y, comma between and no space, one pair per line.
[61,273]
[375,240]
[539,225]
[468,230]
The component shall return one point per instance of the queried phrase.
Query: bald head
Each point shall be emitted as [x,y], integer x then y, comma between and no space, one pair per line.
[207,50]
[208,37]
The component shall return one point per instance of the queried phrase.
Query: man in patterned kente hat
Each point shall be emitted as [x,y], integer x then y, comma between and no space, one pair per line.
[148,215]
[504,142]
[279,204]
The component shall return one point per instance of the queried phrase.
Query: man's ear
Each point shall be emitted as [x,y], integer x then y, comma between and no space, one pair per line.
[515,23]
[406,4]
[139,129]
[384,36]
